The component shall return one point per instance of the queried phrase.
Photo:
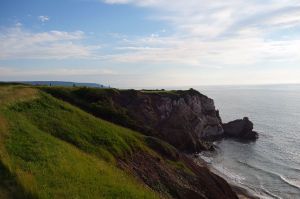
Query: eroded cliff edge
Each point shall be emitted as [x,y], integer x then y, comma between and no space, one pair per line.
[185,119]
[182,118]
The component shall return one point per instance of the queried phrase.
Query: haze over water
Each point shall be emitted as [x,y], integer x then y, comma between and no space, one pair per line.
[269,167]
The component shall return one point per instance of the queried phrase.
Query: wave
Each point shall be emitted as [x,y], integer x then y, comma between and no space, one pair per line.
[229,174]
[295,169]
[216,159]
[238,180]
[270,195]
[290,181]
[207,159]
[211,156]
[293,182]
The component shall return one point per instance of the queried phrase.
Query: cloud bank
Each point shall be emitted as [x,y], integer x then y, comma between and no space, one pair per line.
[60,72]
[218,33]
[16,42]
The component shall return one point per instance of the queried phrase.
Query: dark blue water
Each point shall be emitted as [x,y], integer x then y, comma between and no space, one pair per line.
[270,167]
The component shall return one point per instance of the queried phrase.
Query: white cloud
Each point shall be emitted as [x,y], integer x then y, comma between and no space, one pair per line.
[232,32]
[239,50]
[43,18]
[19,43]
[286,19]
[15,72]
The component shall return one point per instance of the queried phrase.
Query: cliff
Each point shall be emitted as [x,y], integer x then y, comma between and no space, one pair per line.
[52,149]
[182,118]
[185,119]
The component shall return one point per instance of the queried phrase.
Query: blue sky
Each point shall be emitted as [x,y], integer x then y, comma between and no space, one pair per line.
[151,43]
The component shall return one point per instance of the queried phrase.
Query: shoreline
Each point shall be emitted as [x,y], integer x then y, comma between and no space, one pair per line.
[241,192]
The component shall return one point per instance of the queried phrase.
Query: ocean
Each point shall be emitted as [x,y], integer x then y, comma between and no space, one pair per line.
[269,167]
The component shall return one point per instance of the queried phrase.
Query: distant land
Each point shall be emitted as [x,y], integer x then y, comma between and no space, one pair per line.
[62,83]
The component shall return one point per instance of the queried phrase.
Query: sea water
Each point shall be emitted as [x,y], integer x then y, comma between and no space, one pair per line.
[269,167]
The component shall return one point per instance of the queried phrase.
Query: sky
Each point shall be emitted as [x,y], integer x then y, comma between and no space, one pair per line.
[151,43]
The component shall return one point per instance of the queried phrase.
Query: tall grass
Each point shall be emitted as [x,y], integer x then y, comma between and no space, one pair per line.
[53,150]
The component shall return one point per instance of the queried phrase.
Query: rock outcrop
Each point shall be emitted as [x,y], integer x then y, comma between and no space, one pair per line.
[182,118]
[240,129]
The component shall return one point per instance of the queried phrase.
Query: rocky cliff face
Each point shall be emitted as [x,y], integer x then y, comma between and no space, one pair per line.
[182,118]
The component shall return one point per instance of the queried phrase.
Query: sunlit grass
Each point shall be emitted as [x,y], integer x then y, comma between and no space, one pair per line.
[54,150]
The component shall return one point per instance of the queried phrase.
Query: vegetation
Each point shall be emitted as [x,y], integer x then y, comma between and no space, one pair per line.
[50,149]
[95,101]
[109,103]
[161,91]
[169,93]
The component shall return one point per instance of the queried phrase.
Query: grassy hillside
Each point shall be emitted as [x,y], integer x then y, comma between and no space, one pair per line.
[50,149]
[98,102]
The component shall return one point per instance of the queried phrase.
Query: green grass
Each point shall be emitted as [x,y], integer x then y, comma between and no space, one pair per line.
[9,187]
[96,101]
[79,128]
[50,149]
[162,91]
[171,93]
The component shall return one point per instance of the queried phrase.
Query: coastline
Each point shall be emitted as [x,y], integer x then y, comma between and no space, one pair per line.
[241,192]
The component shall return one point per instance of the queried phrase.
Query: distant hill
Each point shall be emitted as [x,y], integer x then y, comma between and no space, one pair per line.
[63,83]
